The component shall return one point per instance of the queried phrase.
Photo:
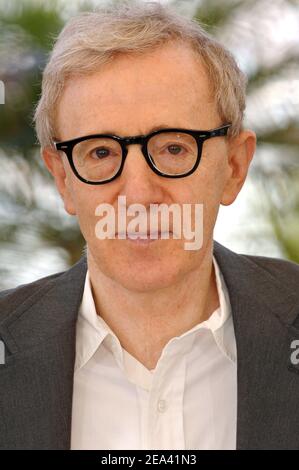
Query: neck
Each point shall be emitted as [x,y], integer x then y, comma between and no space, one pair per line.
[145,321]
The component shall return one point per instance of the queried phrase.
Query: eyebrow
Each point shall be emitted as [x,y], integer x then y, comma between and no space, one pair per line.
[153,129]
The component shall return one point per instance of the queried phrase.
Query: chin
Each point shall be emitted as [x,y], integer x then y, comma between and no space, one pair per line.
[143,276]
[145,283]
[141,269]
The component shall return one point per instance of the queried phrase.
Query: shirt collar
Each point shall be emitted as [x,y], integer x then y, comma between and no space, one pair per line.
[92,330]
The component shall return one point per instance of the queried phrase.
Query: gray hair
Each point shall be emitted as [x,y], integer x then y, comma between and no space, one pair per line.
[92,39]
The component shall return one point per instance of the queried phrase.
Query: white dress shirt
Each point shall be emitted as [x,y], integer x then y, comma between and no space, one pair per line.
[189,401]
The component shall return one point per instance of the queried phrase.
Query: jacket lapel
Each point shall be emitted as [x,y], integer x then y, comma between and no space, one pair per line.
[36,382]
[264,309]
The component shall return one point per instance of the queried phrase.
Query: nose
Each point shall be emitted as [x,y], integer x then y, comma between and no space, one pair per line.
[138,181]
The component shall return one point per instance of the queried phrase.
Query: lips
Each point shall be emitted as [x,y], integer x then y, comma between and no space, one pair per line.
[146,236]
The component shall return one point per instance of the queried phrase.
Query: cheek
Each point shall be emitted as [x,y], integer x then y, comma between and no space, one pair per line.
[206,188]
[213,172]
[85,198]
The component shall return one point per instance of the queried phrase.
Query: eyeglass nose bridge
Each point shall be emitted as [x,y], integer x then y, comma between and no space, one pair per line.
[139,139]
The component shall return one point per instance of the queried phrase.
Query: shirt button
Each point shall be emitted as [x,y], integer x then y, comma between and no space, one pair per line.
[161,406]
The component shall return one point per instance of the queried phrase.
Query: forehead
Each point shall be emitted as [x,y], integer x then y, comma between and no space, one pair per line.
[168,84]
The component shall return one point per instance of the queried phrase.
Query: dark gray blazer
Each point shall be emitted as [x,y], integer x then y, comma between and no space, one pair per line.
[37,325]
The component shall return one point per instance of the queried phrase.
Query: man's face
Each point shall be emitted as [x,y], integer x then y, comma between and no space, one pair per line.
[127,97]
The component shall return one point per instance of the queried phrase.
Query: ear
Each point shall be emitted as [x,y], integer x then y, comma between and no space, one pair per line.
[56,164]
[240,153]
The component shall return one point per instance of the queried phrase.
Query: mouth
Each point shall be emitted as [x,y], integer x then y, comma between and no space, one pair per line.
[144,238]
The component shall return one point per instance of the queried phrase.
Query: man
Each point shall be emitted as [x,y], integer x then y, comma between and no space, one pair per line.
[144,344]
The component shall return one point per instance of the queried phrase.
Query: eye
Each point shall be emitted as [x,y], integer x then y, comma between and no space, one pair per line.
[174,149]
[100,153]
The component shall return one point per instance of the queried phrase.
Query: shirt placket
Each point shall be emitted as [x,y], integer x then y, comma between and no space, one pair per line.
[165,427]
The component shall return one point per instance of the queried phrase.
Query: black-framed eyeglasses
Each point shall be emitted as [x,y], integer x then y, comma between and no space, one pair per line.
[170,152]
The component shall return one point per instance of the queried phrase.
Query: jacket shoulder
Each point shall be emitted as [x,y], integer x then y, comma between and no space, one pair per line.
[10,299]
[285,271]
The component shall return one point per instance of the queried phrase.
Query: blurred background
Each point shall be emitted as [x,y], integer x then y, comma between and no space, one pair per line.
[38,238]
